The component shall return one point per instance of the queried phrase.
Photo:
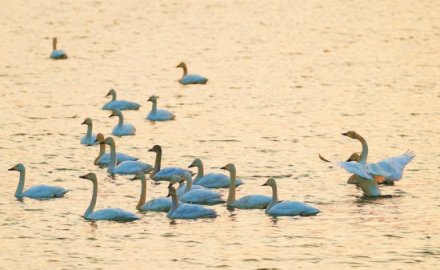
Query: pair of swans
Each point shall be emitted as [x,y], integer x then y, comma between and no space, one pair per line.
[368,174]
[211,180]
[103,158]
[190,78]
[57,54]
[122,129]
[166,173]
[35,192]
[158,114]
[119,105]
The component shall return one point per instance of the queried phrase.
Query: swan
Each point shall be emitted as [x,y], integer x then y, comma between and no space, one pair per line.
[89,138]
[196,195]
[119,104]
[57,54]
[190,78]
[158,114]
[246,202]
[35,192]
[122,129]
[185,210]
[286,208]
[367,173]
[164,174]
[126,167]
[161,204]
[115,214]
[103,158]
[211,180]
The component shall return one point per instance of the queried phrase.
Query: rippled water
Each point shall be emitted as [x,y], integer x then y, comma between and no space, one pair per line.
[286,78]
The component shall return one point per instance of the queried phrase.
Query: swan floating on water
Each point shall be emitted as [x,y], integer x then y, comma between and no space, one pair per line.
[161,204]
[185,210]
[190,78]
[211,180]
[57,54]
[89,138]
[196,195]
[246,202]
[122,129]
[158,114]
[164,174]
[119,104]
[103,158]
[35,192]
[115,214]
[126,167]
[286,208]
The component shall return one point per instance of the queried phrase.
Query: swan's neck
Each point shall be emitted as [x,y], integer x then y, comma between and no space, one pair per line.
[121,120]
[54,44]
[174,202]
[154,108]
[157,163]
[112,164]
[369,187]
[143,193]
[364,154]
[200,173]
[185,70]
[188,182]
[20,186]
[89,131]
[93,201]
[101,153]
[231,195]
[274,196]
[113,95]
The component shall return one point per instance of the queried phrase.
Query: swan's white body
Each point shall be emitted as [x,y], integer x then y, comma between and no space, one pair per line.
[211,180]
[115,214]
[166,173]
[182,187]
[119,105]
[158,114]
[287,208]
[199,195]
[57,54]
[35,192]
[161,204]
[122,129]
[190,78]
[126,167]
[89,138]
[246,202]
[187,211]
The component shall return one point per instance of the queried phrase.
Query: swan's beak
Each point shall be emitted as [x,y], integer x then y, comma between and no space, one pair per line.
[12,169]
[108,94]
[345,134]
[151,150]
[265,184]
[192,165]
[83,176]
[111,115]
[182,180]
[170,185]
[223,168]
[84,123]
[134,178]
[178,66]
[169,194]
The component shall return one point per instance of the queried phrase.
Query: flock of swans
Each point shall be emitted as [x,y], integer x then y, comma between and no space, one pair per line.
[191,198]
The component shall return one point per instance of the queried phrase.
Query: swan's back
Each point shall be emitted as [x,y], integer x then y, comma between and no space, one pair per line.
[166,173]
[200,196]
[121,105]
[131,167]
[216,180]
[193,79]
[252,202]
[161,204]
[292,208]
[44,192]
[126,129]
[89,141]
[191,211]
[161,115]
[182,188]
[115,214]
[120,157]
[58,54]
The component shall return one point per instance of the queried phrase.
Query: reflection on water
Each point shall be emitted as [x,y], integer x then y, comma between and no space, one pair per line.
[285,80]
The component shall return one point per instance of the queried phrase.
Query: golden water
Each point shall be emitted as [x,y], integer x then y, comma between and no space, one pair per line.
[286,78]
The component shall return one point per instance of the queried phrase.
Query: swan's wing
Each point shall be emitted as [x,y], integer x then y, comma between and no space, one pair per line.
[116,214]
[132,167]
[391,168]
[44,192]
[292,208]
[166,173]
[356,168]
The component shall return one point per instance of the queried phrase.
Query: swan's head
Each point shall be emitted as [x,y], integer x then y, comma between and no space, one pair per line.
[100,138]
[109,141]
[181,65]
[351,134]
[156,149]
[19,167]
[153,98]
[229,167]
[111,92]
[171,191]
[270,182]
[87,121]
[90,176]
[139,175]
[196,163]
[115,113]
[354,157]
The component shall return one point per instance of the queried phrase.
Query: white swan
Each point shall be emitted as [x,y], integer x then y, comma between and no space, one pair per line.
[35,192]
[190,78]
[246,202]
[164,174]
[103,158]
[158,114]
[57,54]
[161,204]
[126,167]
[211,180]
[119,104]
[122,129]
[287,208]
[89,138]
[115,214]
[196,195]
[187,211]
